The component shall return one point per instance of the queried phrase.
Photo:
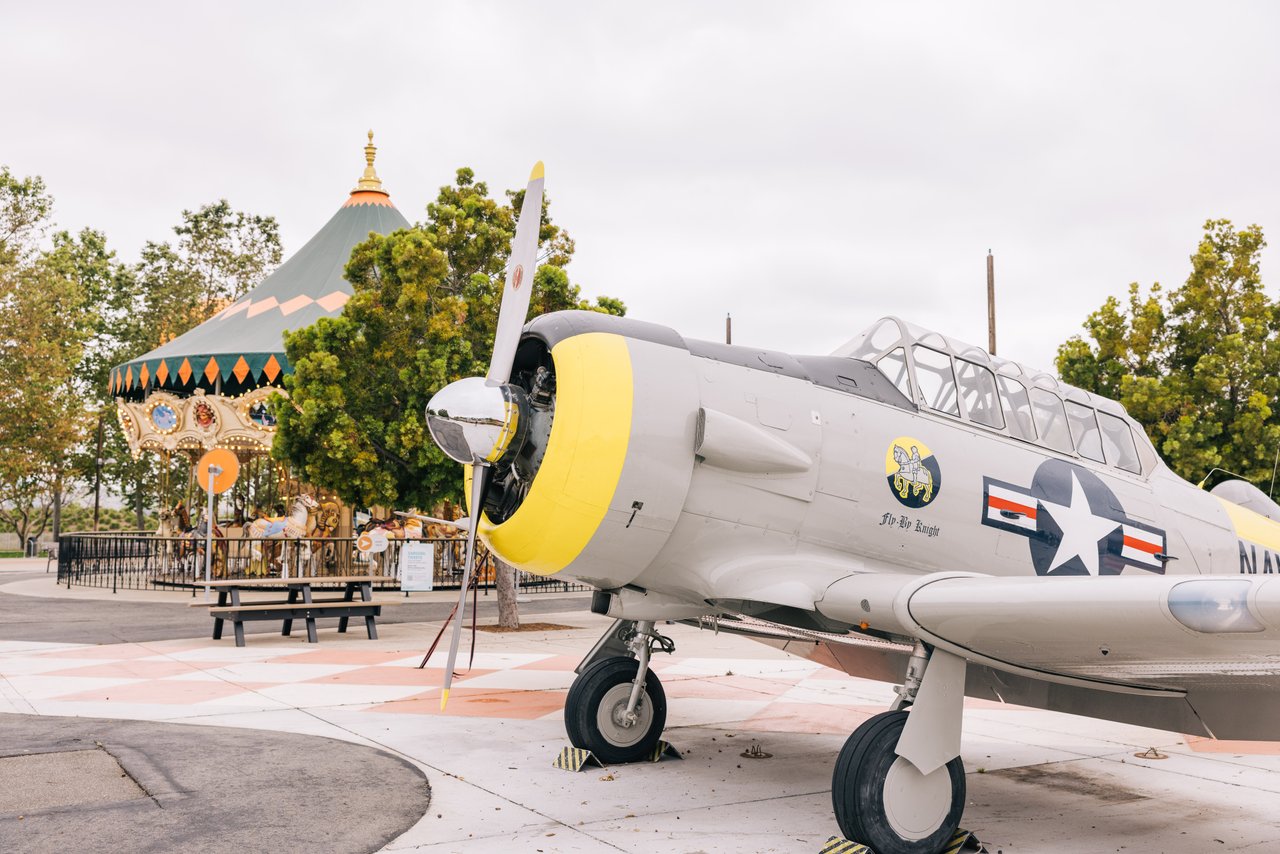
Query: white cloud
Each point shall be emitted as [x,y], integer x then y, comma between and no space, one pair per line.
[807,167]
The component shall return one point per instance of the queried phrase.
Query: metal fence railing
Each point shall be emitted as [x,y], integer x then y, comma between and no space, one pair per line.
[142,561]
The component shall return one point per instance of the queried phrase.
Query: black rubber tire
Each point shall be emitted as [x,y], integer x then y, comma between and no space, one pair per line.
[583,702]
[857,789]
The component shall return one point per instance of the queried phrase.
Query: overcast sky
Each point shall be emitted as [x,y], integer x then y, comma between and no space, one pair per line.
[806,166]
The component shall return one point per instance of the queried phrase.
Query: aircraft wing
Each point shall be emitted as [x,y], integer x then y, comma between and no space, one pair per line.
[1212,640]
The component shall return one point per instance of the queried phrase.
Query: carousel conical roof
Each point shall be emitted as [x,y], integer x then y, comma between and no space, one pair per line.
[242,346]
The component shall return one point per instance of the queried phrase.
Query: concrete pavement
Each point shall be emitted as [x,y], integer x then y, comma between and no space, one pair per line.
[88,784]
[1037,781]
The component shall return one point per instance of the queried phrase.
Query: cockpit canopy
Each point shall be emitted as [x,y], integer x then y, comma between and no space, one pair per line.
[968,383]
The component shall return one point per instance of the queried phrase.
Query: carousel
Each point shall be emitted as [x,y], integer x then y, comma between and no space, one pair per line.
[211,387]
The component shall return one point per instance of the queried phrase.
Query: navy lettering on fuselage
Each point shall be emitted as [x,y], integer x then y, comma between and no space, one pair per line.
[1249,560]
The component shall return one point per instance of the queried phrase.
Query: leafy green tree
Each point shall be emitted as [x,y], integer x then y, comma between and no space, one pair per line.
[227,251]
[25,210]
[423,315]
[45,321]
[1199,366]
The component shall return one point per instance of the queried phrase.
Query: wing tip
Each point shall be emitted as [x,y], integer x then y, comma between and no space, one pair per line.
[539,171]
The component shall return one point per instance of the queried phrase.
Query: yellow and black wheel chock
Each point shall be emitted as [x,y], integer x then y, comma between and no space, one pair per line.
[664,750]
[577,758]
[962,840]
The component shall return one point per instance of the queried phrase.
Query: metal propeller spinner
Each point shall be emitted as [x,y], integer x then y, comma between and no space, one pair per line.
[479,421]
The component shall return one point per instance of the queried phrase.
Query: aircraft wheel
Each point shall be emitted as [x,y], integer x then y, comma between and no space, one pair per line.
[594,711]
[881,800]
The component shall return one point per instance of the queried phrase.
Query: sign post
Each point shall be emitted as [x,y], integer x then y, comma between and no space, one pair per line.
[417,566]
[217,472]
[213,472]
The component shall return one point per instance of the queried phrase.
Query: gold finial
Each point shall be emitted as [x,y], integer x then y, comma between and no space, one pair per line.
[369,181]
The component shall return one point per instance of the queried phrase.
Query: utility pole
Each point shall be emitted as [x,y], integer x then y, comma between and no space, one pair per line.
[97,475]
[728,329]
[991,303]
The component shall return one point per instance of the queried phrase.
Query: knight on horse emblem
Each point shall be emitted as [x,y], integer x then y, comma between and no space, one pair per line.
[911,474]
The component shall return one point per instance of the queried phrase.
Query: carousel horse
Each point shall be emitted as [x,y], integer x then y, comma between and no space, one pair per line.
[197,536]
[179,527]
[164,532]
[297,525]
[328,517]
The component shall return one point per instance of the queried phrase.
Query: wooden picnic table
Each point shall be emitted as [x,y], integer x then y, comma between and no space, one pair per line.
[301,603]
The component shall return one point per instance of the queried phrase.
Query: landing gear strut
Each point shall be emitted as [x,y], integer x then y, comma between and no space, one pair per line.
[890,802]
[616,708]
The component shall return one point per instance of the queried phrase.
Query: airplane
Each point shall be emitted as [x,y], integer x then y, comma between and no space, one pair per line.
[909,509]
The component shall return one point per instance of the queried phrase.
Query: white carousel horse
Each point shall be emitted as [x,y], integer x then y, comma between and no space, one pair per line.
[296,525]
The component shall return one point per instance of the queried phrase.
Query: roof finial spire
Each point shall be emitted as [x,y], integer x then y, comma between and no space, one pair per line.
[369,181]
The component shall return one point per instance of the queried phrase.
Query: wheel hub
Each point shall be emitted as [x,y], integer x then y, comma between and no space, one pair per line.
[916,804]
[611,716]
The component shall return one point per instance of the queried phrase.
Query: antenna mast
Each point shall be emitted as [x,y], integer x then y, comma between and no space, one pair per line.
[991,303]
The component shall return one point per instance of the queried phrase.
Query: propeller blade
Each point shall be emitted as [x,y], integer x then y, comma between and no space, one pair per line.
[460,524]
[479,478]
[520,269]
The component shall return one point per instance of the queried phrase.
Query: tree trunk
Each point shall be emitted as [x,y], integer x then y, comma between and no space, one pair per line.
[505,581]
[57,508]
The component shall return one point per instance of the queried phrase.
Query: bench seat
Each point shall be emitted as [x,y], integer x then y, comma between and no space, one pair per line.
[343,609]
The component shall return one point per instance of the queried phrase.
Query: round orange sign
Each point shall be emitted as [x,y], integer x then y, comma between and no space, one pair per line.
[219,458]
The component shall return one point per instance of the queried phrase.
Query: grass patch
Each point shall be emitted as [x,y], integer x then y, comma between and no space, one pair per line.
[10,554]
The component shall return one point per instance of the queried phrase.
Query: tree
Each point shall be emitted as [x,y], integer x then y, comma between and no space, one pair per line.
[45,320]
[227,251]
[1199,366]
[25,208]
[423,314]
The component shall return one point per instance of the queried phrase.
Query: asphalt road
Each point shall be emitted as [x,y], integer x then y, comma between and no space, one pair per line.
[203,789]
[105,621]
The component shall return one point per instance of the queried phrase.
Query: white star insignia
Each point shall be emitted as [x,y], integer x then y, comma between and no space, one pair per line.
[1081,529]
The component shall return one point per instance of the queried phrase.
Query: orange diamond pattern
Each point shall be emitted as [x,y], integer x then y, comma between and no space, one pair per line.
[184,371]
[271,369]
[128,377]
[162,372]
[211,370]
[143,375]
[241,370]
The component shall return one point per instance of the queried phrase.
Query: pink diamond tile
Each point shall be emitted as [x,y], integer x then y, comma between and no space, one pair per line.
[465,702]
[555,662]
[169,691]
[145,669]
[1213,745]
[265,305]
[234,309]
[300,301]
[113,651]
[340,656]
[333,301]
[430,677]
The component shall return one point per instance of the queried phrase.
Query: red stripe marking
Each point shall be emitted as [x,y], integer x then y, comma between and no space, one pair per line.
[1142,545]
[1004,504]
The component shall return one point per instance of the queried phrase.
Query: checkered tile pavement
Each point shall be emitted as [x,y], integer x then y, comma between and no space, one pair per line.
[196,677]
